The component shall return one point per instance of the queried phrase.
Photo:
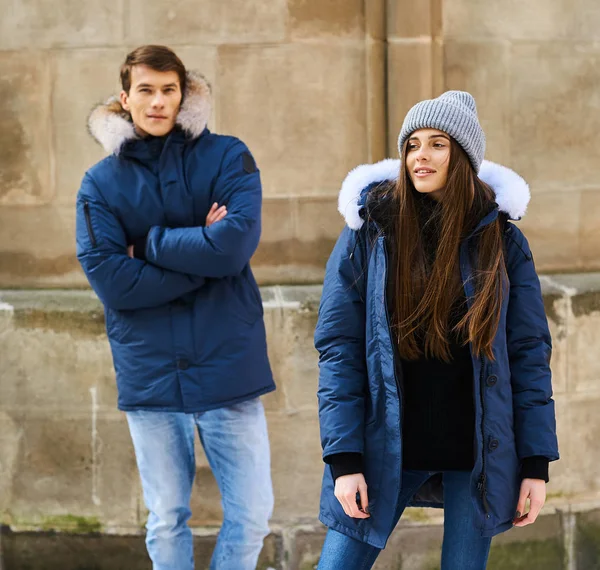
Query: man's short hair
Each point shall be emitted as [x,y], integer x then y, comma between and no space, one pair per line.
[159,58]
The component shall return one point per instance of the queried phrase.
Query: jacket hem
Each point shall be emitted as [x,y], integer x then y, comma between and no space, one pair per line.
[356,535]
[197,409]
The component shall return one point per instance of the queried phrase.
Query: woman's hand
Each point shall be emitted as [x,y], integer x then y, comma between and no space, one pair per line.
[535,491]
[216,214]
[346,488]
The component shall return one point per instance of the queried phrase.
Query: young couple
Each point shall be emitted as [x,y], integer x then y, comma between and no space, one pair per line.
[434,386]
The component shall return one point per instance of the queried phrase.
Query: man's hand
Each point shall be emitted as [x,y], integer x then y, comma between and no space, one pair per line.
[535,491]
[346,488]
[130,251]
[216,214]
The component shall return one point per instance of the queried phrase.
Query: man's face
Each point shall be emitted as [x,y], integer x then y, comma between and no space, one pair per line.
[153,100]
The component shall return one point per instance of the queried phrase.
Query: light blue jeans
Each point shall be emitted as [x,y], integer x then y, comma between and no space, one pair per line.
[236,444]
[463,547]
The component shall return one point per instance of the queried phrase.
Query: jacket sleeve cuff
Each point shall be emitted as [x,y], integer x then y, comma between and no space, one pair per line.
[345,464]
[139,248]
[535,467]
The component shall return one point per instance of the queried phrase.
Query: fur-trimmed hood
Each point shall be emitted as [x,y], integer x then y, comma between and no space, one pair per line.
[512,192]
[110,125]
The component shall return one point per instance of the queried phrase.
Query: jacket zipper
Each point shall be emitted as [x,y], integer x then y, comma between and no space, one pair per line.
[481,485]
[88,223]
[387,317]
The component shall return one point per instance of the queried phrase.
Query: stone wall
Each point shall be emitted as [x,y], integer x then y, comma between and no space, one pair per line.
[66,461]
[314,87]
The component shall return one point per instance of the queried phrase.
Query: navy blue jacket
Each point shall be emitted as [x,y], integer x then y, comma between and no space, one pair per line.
[185,324]
[359,400]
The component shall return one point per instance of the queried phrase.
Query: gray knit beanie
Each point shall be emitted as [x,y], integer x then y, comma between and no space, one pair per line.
[453,112]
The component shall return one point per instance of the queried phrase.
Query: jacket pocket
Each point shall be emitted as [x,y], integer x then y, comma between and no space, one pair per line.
[88,223]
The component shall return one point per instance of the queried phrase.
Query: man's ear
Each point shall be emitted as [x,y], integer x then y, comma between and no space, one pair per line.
[124,100]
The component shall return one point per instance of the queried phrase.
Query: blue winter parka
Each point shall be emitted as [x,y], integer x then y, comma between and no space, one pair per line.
[185,319]
[359,396]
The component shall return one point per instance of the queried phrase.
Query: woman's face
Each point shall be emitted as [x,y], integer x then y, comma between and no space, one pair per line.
[427,160]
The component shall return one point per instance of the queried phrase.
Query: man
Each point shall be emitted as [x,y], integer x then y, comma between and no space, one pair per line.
[166,226]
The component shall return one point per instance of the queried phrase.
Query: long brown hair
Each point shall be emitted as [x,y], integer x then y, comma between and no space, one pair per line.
[428,287]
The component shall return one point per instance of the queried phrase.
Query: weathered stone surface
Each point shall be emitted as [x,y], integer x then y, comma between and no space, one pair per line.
[264,88]
[297,467]
[64,23]
[319,18]
[297,239]
[39,551]
[73,465]
[307,549]
[46,340]
[589,238]
[415,547]
[37,247]
[584,367]
[25,135]
[408,19]
[553,95]
[552,227]
[466,68]
[587,541]
[405,89]
[213,21]
[535,20]
[535,547]
[376,97]
[578,425]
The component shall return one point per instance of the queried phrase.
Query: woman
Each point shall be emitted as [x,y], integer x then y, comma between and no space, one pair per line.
[435,386]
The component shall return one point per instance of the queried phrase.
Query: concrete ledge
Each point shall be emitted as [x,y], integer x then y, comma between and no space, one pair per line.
[67,464]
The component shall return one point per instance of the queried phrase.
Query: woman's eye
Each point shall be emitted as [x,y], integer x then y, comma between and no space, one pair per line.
[411,147]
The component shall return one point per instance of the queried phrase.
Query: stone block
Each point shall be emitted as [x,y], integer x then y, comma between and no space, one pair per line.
[67,346]
[326,18]
[584,338]
[578,426]
[410,80]
[467,68]
[214,22]
[293,357]
[297,466]
[307,549]
[553,95]
[552,227]
[25,134]
[537,20]
[376,97]
[587,541]
[589,237]
[308,112]
[73,466]
[63,23]
[558,313]
[408,19]
[42,551]
[535,547]
[415,547]
[37,247]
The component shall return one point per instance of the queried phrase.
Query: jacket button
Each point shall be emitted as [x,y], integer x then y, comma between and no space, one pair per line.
[183,364]
[493,445]
[491,380]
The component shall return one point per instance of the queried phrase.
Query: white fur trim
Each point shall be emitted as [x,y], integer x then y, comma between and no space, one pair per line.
[512,192]
[357,180]
[112,130]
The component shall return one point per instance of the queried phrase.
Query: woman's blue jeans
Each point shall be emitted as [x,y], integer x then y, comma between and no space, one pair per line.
[463,547]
